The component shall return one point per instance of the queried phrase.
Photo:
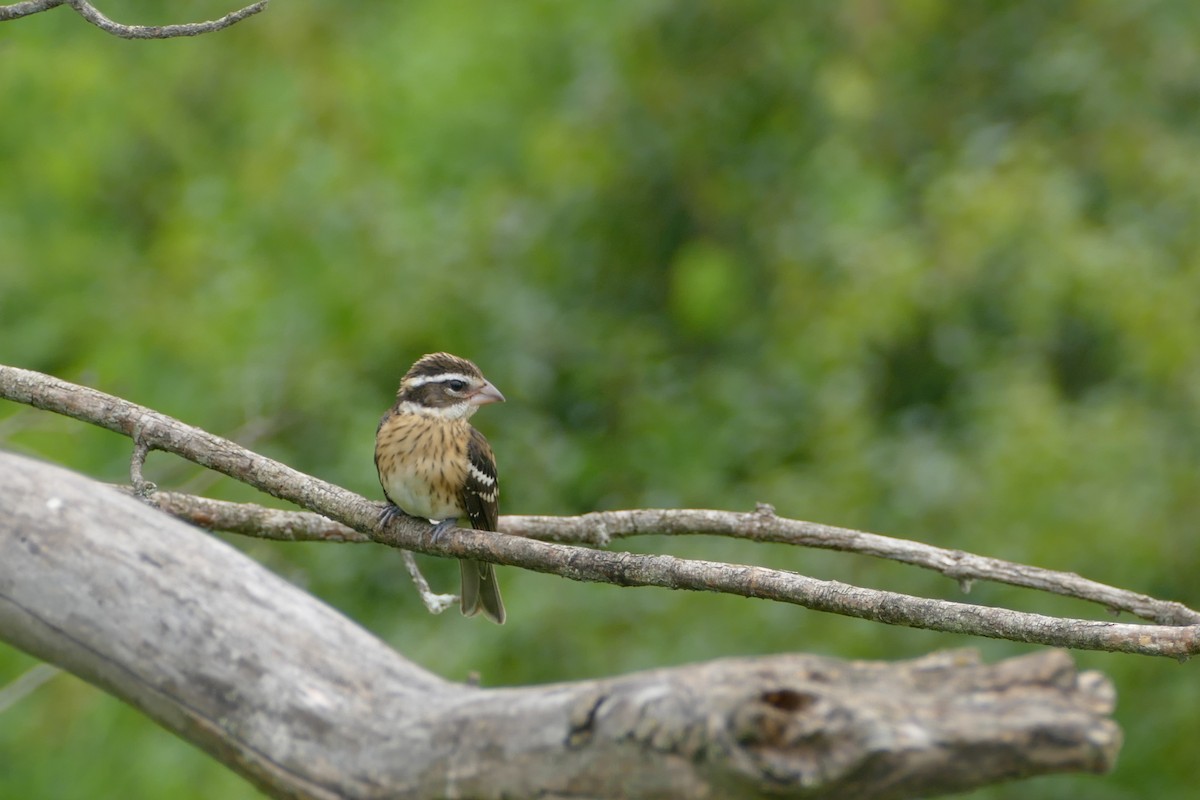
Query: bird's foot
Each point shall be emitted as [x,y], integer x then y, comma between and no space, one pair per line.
[389,512]
[440,528]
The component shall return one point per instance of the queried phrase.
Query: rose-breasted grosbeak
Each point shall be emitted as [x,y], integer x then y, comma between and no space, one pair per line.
[433,464]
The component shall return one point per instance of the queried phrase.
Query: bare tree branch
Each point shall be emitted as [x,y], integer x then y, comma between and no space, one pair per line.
[93,15]
[250,519]
[624,569]
[26,685]
[16,10]
[434,603]
[304,703]
[601,527]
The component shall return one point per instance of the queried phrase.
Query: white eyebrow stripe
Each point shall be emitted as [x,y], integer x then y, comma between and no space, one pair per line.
[441,377]
[481,476]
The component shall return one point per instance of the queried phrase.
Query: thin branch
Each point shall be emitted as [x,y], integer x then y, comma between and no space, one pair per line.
[434,603]
[137,460]
[624,569]
[16,10]
[93,15]
[250,519]
[25,685]
[764,526]
[599,528]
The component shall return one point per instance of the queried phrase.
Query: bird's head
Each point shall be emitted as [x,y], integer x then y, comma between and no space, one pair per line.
[444,385]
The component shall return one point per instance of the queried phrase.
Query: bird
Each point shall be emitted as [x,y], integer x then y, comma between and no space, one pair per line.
[434,465]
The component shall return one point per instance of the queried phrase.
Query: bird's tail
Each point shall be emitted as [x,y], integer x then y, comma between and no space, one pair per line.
[480,591]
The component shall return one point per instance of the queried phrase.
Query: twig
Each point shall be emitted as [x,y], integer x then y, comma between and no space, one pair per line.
[141,487]
[25,685]
[434,603]
[16,10]
[93,15]
[250,519]
[599,528]
[251,431]
[623,569]
[764,526]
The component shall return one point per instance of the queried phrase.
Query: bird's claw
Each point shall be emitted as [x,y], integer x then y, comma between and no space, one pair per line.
[440,528]
[389,512]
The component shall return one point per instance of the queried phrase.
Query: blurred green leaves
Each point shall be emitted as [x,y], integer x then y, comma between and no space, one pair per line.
[924,268]
[708,295]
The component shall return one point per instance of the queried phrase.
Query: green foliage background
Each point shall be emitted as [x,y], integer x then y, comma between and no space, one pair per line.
[924,268]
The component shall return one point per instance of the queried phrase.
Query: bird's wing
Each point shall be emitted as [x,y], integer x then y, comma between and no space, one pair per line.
[481,490]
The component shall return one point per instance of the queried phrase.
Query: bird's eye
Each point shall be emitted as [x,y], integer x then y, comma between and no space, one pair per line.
[456,385]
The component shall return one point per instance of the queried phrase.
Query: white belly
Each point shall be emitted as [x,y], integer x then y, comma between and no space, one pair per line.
[408,486]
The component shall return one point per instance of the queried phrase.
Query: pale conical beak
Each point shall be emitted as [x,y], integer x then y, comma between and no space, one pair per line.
[488,394]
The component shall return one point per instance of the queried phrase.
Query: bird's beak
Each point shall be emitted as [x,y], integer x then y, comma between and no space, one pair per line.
[488,394]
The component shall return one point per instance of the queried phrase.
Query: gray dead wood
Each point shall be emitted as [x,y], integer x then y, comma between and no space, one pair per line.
[306,704]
